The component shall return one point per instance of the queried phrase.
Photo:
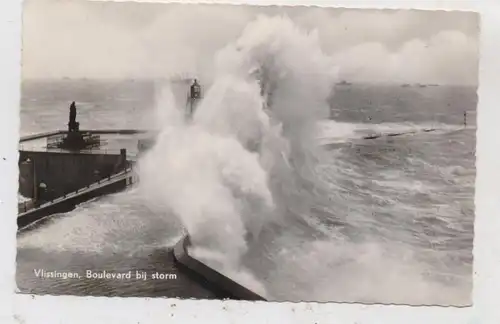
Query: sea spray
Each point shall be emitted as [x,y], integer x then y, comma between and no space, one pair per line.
[212,183]
[247,158]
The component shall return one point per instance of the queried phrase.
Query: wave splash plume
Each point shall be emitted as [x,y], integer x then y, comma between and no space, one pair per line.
[239,165]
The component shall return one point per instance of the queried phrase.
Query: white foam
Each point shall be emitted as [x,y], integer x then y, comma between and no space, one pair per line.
[221,174]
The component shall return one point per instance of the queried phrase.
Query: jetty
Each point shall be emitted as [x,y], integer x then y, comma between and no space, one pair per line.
[208,277]
[60,169]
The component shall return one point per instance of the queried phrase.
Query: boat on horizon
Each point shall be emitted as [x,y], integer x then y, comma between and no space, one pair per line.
[344,82]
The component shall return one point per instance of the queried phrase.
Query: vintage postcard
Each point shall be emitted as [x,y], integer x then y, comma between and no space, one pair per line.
[247,152]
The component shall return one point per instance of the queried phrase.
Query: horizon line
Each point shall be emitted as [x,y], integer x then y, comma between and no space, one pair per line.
[145,79]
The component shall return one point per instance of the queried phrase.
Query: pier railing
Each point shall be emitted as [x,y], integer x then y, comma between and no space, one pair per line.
[127,173]
[92,131]
[106,151]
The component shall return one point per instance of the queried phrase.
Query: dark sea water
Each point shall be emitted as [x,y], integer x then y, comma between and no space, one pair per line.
[396,224]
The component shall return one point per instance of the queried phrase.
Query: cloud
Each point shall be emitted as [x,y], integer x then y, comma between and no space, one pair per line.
[449,57]
[133,40]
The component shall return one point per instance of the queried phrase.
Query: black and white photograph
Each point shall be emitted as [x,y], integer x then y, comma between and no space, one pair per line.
[272,153]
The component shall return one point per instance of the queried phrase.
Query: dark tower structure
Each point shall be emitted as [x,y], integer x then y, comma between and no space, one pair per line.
[193,97]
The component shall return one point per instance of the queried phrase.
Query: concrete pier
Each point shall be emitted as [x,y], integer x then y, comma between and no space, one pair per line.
[394,134]
[209,277]
[64,172]
[55,180]
[69,201]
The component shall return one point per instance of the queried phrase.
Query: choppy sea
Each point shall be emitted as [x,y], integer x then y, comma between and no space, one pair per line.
[396,225]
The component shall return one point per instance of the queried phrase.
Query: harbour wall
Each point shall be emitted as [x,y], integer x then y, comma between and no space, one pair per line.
[208,277]
[64,172]
[69,201]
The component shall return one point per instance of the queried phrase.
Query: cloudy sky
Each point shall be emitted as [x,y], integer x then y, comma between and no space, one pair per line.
[82,39]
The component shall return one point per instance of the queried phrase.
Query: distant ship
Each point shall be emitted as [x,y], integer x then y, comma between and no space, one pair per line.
[344,82]
[419,85]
